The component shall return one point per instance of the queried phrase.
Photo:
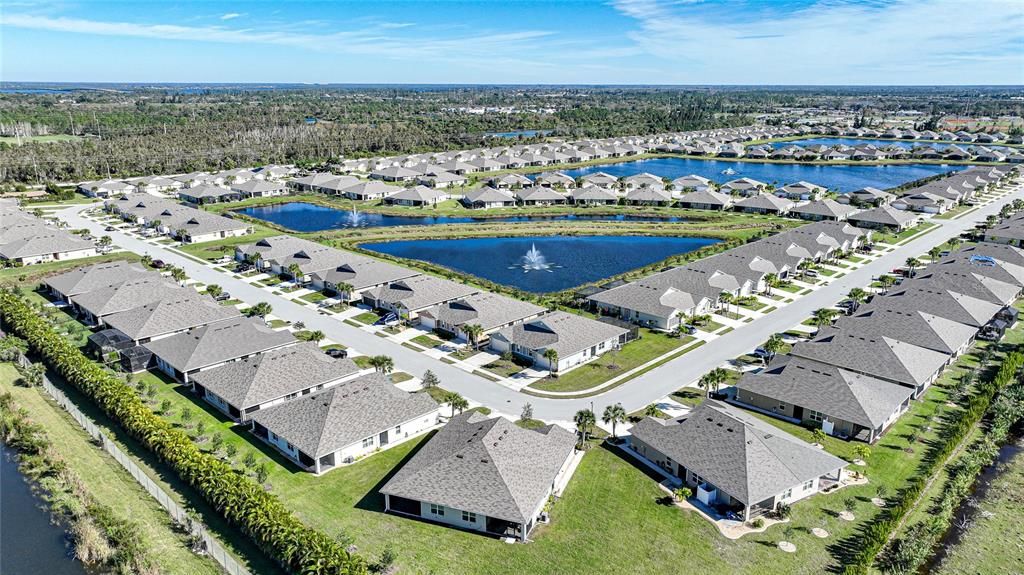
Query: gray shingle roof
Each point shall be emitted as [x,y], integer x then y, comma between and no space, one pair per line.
[937,300]
[274,374]
[487,466]
[340,415]
[219,342]
[88,278]
[836,392]
[488,310]
[873,354]
[128,295]
[566,333]
[744,456]
[884,215]
[766,202]
[912,326]
[421,291]
[175,312]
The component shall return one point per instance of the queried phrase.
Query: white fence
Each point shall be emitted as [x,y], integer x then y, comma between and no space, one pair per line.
[209,542]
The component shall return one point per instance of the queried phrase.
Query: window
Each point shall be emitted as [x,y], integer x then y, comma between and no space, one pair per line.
[437,510]
[368,442]
[815,415]
[398,429]
[469,517]
[786,494]
[808,485]
[782,406]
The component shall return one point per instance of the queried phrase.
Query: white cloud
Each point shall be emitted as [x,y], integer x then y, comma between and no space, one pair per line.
[230,16]
[835,41]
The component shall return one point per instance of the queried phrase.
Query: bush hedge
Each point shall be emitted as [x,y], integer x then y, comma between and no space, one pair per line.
[244,503]
[875,536]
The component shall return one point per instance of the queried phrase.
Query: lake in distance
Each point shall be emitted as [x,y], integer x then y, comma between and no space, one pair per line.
[574,260]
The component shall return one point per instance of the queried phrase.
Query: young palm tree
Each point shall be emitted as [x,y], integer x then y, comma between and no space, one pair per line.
[178,274]
[652,410]
[912,264]
[296,272]
[614,415]
[584,420]
[261,309]
[316,336]
[822,317]
[726,299]
[456,402]
[382,364]
[770,282]
[552,356]
[933,254]
[857,296]
[954,243]
[344,289]
[473,332]
[711,381]
[887,282]
[774,345]
[214,290]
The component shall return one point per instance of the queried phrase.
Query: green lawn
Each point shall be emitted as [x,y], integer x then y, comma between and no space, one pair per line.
[368,318]
[400,376]
[108,482]
[504,368]
[363,361]
[427,341]
[315,297]
[28,276]
[278,323]
[614,363]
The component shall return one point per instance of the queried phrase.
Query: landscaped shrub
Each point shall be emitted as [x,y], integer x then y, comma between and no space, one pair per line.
[874,536]
[242,501]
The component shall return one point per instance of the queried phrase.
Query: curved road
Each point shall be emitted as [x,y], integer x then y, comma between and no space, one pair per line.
[633,395]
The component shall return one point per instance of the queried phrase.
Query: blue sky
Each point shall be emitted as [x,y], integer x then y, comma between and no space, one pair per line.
[517,41]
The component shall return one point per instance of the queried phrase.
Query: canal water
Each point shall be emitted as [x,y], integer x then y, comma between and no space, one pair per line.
[570,260]
[29,543]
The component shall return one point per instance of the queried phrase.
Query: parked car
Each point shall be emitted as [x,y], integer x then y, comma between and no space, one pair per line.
[158,264]
[223,296]
[688,329]
[811,273]
[337,353]
[761,353]
[110,229]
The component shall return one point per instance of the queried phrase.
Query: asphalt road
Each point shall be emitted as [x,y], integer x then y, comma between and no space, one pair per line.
[633,394]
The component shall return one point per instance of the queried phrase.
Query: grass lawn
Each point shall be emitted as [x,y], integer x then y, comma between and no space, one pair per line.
[504,368]
[315,297]
[710,326]
[427,341]
[363,361]
[108,482]
[278,323]
[231,302]
[689,396]
[753,305]
[905,234]
[270,281]
[368,318]
[400,376]
[331,346]
[614,363]
[791,288]
[218,248]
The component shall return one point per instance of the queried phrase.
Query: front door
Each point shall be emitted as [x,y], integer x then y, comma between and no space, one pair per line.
[383,438]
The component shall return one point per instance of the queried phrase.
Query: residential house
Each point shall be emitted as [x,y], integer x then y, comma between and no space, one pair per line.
[706,200]
[734,461]
[487,198]
[484,474]
[764,204]
[260,188]
[345,422]
[884,217]
[408,297]
[418,196]
[489,311]
[837,401]
[575,339]
[822,210]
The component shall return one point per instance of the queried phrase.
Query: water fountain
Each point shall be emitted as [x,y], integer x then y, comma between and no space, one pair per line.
[534,261]
[355,219]
[729,172]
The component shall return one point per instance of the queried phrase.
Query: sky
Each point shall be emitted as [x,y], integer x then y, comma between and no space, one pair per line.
[775,42]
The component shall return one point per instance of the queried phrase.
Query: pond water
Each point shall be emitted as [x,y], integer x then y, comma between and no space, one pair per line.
[843,178]
[305,217]
[30,543]
[565,261]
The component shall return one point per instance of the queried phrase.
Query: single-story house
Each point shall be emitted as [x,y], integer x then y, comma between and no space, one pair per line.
[208,194]
[593,195]
[484,474]
[574,338]
[488,310]
[839,402]
[735,461]
[883,217]
[822,210]
[241,388]
[407,297]
[88,278]
[486,198]
[345,422]
[763,203]
[183,355]
[179,311]
[418,196]
[260,189]
[706,200]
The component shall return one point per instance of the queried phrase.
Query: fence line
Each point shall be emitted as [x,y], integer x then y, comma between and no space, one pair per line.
[210,543]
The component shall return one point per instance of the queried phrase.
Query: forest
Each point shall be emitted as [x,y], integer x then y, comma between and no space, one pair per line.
[81,134]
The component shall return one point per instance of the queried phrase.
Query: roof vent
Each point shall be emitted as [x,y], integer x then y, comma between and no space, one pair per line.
[484,461]
[458,456]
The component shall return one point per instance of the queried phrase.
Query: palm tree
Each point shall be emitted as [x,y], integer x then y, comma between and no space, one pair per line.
[887,282]
[147,260]
[214,290]
[711,381]
[954,243]
[652,410]
[774,345]
[382,364]
[857,296]
[473,332]
[296,272]
[261,309]
[726,298]
[344,289]
[456,402]
[178,274]
[584,420]
[682,493]
[822,317]
[912,264]
[316,336]
[104,241]
[770,282]
[614,415]
[552,356]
